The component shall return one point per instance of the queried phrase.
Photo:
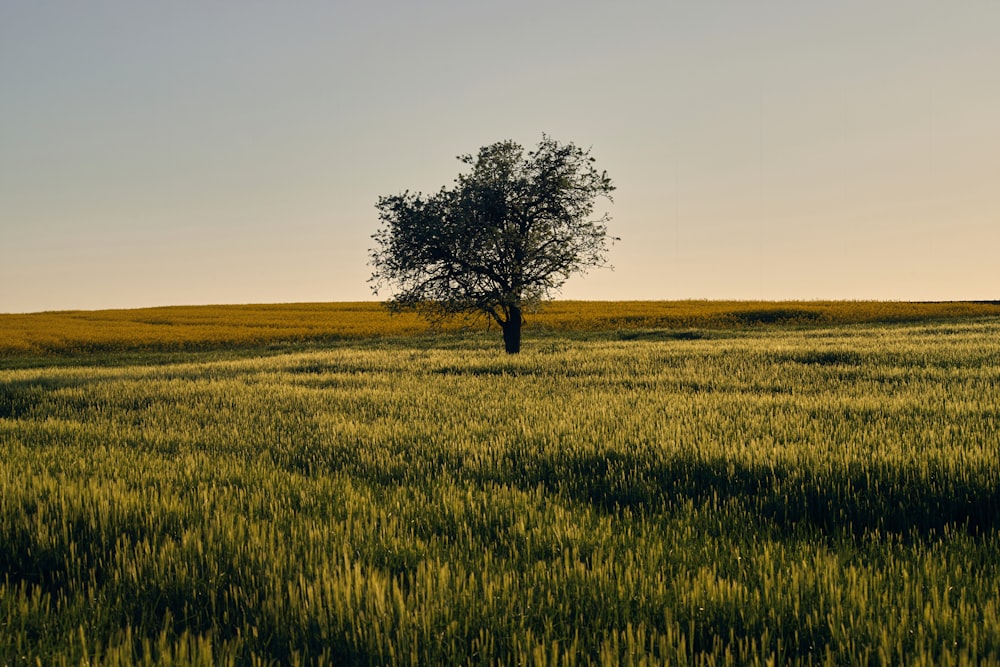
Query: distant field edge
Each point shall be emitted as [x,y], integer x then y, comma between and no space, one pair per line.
[213,327]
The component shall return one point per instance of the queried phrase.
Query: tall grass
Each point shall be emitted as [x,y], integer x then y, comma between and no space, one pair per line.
[826,495]
[212,327]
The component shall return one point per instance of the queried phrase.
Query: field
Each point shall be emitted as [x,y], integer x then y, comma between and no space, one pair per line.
[643,484]
[188,328]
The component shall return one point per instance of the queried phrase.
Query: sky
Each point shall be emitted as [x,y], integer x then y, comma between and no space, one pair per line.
[187,152]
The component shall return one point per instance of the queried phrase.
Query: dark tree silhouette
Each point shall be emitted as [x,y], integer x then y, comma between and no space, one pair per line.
[507,235]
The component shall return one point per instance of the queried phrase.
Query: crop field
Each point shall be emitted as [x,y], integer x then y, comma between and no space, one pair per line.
[783,489]
[194,328]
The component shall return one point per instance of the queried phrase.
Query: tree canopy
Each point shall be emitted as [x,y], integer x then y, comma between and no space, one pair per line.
[508,234]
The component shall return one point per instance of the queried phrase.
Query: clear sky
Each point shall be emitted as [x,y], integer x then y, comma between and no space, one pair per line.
[232,152]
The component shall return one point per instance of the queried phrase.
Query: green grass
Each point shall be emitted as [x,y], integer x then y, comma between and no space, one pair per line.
[749,495]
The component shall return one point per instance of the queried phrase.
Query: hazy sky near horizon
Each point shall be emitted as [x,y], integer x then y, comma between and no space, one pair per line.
[232,152]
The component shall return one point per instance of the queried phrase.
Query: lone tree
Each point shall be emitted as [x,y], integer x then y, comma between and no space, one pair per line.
[507,235]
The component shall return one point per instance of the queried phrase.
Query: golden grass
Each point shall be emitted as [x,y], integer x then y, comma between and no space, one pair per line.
[630,315]
[205,327]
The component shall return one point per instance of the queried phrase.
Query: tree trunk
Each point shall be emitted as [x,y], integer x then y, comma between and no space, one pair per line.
[512,331]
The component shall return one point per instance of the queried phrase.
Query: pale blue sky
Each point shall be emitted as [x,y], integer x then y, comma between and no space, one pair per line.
[232,152]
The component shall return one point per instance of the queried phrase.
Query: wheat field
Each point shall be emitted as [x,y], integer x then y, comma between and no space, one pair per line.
[188,328]
[789,489]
